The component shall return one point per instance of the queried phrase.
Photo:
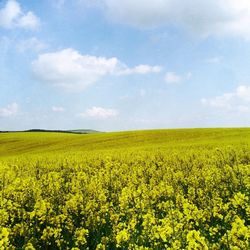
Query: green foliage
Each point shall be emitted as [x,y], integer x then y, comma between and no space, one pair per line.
[167,189]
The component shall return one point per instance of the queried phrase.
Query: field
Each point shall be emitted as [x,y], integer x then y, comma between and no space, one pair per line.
[155,189]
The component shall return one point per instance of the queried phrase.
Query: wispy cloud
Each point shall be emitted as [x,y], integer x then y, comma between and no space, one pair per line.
[223,101]
[71,70]
[12,16]
[10,110]
[99,113]
[140,69]
[237,100]
[174,78]
[29,44]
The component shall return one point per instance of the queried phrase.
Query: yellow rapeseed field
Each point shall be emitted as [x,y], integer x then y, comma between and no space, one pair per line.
[159,189]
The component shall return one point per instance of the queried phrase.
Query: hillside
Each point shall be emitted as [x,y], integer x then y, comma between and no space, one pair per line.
[73,131]
[45,142]
[154,189]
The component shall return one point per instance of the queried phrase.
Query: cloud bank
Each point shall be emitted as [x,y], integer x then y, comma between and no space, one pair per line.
[205,18]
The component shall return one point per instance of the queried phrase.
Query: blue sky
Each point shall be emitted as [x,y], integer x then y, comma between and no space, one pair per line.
[120,64]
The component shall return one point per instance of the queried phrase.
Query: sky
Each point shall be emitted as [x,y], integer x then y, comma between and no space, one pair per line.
[114,65]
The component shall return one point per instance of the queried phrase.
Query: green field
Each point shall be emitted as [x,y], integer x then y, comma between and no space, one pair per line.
[155,189]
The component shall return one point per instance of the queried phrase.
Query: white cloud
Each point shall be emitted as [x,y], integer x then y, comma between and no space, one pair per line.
[9,13]
[243,92]
[31,44]
[239,99]
[10,110]
[173,78]
[73,71]
[99,113]
[58,109]
[12,16]
[211,17]
[223,101]
[29,21]
[140,69]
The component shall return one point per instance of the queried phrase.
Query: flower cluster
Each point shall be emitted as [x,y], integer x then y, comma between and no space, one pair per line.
[121,199]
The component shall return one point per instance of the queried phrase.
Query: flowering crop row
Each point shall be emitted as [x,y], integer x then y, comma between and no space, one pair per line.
[120,199]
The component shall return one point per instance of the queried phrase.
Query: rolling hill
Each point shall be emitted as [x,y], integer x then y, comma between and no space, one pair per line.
[42,142]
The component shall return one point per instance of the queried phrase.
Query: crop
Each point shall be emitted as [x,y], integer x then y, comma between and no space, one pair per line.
[142,190]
